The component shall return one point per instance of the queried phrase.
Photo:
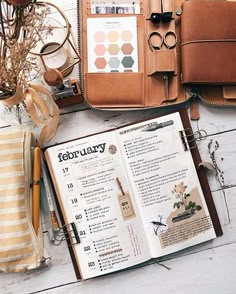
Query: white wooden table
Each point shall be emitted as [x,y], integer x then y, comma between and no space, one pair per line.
[206,268]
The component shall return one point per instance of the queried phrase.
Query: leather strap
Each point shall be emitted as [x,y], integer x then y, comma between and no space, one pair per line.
[229,92]
[208,41]
[194,109]
[15,99]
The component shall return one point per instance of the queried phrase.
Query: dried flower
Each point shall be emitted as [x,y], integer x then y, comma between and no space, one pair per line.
[21,28]
[180,188]
[219,173]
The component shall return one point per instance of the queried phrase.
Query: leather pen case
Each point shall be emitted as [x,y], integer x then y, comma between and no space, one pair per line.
[129,60]
[166,75]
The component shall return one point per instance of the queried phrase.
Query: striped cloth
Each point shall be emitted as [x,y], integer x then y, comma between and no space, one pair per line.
[19,247]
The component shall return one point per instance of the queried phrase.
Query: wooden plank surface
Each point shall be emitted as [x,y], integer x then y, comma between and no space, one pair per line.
[206,272]
[206,268]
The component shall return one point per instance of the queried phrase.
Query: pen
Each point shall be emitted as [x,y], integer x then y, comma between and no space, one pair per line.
[36,189]
[49,193]
[156,11]
[156,126]
[120,186]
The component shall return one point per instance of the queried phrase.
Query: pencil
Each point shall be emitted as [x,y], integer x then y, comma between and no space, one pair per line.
[36,189]
[49,194]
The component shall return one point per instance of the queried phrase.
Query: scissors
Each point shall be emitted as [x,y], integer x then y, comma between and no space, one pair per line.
[164,40]
[169,39]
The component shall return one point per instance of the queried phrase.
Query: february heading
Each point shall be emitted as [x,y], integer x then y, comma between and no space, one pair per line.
[100,148]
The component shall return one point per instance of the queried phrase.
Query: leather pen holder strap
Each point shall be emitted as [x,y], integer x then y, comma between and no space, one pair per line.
[161,10]
[161,61]
[167,6]
[155,6]
[167,10]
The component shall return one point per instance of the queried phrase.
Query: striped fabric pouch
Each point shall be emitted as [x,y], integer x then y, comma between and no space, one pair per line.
[20,248]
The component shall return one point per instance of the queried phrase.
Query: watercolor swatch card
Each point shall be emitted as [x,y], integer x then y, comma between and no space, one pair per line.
[112,44]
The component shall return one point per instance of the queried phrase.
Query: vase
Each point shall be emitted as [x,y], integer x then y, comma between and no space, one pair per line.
[16,114]
[32,108]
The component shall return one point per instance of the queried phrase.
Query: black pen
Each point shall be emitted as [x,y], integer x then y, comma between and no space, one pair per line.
[156,126]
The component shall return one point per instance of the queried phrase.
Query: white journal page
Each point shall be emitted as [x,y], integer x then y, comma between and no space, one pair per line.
[165,184]
[95,193]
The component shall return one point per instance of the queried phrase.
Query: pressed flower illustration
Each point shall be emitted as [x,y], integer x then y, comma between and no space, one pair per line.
[182,196]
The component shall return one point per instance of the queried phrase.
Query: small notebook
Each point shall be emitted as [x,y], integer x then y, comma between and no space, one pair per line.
[208,42]
[134,194]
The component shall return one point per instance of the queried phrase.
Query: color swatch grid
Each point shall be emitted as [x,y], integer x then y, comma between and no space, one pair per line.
[112,44]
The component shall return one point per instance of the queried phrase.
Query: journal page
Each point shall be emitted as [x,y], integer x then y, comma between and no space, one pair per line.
[166,186]
[93,191]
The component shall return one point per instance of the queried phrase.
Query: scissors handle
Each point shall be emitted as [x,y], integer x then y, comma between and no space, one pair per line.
[166,41]
[158,45]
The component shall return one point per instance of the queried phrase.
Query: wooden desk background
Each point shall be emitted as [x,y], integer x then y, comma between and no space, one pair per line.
[207,268]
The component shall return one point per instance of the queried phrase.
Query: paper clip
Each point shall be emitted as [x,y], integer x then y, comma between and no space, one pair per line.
[66,232]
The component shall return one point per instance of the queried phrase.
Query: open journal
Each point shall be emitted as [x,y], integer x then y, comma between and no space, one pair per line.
[133,194]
